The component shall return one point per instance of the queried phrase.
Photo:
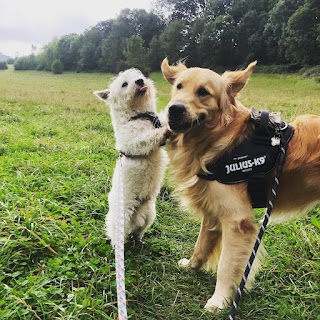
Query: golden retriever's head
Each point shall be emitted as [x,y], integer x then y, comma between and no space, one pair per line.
[201,95]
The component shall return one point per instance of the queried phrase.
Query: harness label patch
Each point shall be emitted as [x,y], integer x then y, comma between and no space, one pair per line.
[246,165]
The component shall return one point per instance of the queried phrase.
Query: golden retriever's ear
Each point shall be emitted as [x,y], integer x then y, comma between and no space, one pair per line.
[170,72]
[238,79]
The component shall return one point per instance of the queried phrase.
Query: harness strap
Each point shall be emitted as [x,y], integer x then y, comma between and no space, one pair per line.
[257,186]
[150,116]
[257,183]
[262,133]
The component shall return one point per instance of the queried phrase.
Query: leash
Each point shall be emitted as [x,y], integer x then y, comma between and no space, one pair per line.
[119,239]
[119,251]
[262,230]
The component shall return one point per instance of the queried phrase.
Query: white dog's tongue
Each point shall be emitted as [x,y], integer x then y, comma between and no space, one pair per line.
[144,88]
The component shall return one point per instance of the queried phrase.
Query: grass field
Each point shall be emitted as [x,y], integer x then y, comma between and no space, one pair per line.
[56,160]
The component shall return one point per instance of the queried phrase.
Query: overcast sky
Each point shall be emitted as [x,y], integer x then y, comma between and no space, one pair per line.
[36,22]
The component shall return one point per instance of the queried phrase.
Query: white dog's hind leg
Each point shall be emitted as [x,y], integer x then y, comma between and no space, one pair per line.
[144,217]
[111,226]
[113,214]
[111,221]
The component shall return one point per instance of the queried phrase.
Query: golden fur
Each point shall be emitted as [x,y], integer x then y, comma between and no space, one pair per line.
[206,120]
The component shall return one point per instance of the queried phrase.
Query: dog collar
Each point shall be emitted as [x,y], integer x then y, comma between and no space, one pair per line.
[131,156]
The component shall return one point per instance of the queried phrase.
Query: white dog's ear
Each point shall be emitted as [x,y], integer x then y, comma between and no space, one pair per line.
[238,79]
[102,95]
[170,73]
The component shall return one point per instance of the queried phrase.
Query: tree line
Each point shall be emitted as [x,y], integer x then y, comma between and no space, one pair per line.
[208,33]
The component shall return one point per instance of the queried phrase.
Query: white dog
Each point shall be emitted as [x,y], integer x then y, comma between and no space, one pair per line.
[139,135]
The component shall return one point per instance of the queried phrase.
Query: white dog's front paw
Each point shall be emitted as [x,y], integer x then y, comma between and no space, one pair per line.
[216,303]
[165,136]
[184,263]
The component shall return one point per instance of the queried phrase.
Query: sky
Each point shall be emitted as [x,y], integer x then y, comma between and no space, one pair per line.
[24,23]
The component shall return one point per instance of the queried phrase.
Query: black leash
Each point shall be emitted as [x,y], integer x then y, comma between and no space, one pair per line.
[273,196]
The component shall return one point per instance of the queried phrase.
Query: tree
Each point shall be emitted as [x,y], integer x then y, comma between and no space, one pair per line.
[57,67]
[249,18]
[155,54]
[136,54]
[105,27]
[274,30]
[129,25]
[302,35]
[184,10]
[68,51]
[149,26]
[218,43]
[26,63]
[3,65]
[48,54]
[173,40]
[90,51]
[137,22]
[193,38]
[112,57]
[209,33]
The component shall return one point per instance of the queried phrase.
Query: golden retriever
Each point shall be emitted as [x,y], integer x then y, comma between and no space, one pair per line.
[206,120]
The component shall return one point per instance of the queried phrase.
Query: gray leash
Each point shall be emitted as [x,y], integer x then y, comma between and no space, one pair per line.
[262,230]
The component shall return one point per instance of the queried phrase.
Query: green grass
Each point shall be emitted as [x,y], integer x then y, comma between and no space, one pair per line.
[56,161]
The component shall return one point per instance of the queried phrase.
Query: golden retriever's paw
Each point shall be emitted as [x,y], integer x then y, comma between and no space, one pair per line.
[215,304]
[184,263]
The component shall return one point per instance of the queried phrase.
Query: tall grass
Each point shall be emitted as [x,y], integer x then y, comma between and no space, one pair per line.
[56,160]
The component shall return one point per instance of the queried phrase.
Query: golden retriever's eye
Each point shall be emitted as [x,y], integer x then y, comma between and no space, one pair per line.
[179,86]
[124,84]
[202,92]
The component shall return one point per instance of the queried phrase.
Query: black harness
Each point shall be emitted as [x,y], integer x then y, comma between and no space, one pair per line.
[253,159]
[150,116]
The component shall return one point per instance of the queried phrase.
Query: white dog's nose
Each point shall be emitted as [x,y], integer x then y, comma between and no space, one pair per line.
[140,82]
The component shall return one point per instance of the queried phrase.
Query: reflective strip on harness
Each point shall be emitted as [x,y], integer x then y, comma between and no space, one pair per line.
[252,160]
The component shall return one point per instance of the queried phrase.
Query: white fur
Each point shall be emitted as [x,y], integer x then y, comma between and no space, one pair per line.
[142,176]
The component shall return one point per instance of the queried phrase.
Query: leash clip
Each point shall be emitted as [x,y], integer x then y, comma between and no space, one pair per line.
[275,141]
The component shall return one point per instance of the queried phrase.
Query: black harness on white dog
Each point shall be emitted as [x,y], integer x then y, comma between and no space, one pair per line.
[150,116]
[253,159]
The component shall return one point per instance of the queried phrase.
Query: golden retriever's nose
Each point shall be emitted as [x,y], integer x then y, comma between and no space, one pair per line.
[140,82]
[177,111]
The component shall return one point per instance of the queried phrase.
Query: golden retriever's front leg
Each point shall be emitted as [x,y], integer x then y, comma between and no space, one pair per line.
[238,237]
[209,238]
